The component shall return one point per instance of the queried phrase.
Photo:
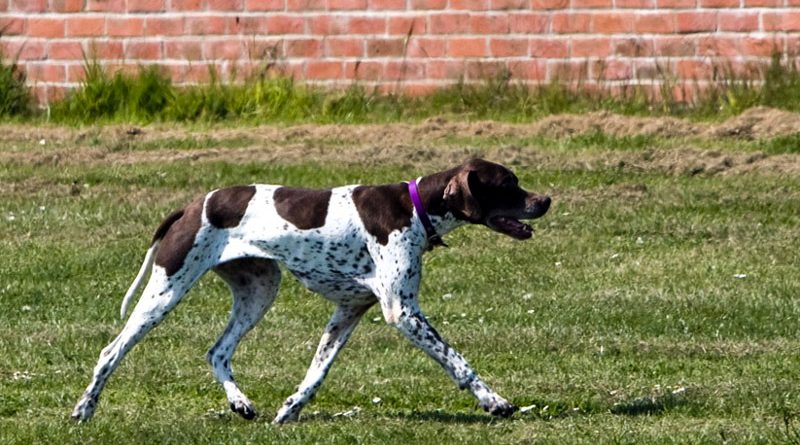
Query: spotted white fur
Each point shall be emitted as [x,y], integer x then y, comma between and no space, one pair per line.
[340,260]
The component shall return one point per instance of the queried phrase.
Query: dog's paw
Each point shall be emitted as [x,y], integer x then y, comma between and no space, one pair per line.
[288,413]
[83,410]
[244,409]
[500,407]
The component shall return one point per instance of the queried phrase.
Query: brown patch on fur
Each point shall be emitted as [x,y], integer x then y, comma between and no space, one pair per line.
[226,207]
[383,209]
[305,208]
[178,237]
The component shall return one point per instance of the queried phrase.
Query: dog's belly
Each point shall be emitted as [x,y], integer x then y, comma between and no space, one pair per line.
[336,286]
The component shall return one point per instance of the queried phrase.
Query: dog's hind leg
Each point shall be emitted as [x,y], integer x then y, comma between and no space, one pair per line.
[160,296]
[254,284]
[338,330]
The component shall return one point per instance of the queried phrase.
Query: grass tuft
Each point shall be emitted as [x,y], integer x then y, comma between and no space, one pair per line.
[15,97]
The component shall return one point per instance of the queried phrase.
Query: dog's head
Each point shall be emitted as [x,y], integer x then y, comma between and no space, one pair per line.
[482,192]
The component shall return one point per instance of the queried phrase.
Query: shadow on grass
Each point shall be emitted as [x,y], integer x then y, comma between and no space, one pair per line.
[650,405]
[446,417]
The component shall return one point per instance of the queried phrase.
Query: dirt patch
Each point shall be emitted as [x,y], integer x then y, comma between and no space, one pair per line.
[429,145]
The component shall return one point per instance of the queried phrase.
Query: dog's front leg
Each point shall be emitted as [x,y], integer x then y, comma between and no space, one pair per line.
[400,309]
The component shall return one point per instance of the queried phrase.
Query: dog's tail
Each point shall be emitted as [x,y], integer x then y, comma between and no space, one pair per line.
[149,258]
[147,265]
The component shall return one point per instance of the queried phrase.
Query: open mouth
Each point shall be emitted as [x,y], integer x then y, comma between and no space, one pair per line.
[511,227]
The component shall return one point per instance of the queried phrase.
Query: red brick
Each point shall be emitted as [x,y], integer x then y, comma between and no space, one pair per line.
[467,47]
[367,25]
[612,70]
[489,24]
[549,48]
[344,47]
[633,47]
[470,5]
[718,46]
[328,25]
[484,69]
[368,70]
[105,5]
[183,50]
[12,26]
[534,23]
[456,23]
[694,69]
[568,71]
[28,5]
[198,73]
[528,70]
[416,89]
[305,5]
[569,23]
[78,26]
[251,25]
[187,5]
[386,5]
[223,49]
[4,5]
[509,47]
[762,3]
[162,26]
[591,47]
[549,4]
[346,5]
[127,27]
[143,50]
[385,47]
[146,5]
[67,5]
[691,22]
[719,3]
[105,50]
[445,69]
[737,21]
[613,23]
[676,4]
[46,27]
[206,25]
[324,70]
[761,46]
[304,48]
[591,4]
[225,5]
[422,5]
[674,46]
[426,48]
[412,26]
[656,23]
[635,4]
[76,73]
[781,21]
[46,72]
[264,5]
[29,50]
[503,5]
[69,50]
[404,70]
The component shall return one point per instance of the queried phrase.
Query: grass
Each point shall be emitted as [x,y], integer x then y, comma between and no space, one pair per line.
[621,321]
[268,97]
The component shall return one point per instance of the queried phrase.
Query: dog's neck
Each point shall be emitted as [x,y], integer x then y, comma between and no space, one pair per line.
[431,191]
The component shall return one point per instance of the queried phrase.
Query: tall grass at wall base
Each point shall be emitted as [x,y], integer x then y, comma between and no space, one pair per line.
[15,97]
[148,95]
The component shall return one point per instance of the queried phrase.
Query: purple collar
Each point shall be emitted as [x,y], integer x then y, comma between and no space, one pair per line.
[433,238]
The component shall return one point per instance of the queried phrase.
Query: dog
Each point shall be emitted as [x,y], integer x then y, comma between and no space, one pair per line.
[355,245]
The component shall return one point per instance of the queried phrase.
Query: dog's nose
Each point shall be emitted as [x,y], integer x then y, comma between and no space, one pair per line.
[545,203]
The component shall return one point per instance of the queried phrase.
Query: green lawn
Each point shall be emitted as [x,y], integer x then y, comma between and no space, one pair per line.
[650,307]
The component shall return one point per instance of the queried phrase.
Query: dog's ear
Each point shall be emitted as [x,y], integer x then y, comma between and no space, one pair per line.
[458,195]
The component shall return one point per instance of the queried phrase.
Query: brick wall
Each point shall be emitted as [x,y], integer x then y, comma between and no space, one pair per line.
[413,45]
